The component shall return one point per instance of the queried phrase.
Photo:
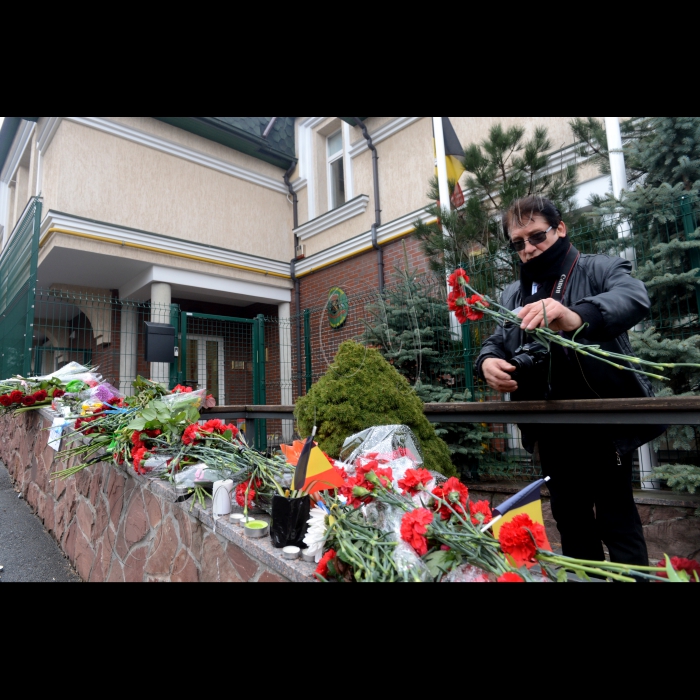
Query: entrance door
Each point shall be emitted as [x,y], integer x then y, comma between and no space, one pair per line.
[205,365]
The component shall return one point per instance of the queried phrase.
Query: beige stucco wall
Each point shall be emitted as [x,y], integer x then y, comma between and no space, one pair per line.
[406,165]
[99,176]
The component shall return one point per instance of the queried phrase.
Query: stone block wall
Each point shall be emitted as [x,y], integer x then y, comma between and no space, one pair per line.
[117,527]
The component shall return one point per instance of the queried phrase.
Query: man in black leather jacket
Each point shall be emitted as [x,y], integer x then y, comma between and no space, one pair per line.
[590,466]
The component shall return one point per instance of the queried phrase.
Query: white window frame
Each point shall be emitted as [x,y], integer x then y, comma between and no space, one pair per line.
[331,160]
[202,369]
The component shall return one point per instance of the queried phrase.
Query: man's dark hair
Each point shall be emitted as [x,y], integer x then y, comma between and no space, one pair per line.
[521,212]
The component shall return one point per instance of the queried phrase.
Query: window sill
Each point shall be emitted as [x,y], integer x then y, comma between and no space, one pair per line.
[349,210]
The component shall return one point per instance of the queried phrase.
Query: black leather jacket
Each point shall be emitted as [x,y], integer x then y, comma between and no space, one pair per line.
[623,302]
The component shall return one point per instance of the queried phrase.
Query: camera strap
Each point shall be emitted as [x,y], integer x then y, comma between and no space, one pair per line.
[567,269]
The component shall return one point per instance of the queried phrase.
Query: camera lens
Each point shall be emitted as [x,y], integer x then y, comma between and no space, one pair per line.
[522,364]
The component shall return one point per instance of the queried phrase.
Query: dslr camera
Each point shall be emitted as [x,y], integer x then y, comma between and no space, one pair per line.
[532,369]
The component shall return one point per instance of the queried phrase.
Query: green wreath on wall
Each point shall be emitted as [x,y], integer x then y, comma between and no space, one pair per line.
[338,307]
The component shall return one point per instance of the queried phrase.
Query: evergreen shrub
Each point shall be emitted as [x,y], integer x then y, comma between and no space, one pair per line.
[359,391]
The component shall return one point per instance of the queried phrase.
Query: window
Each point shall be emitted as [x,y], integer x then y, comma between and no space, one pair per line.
[336,171]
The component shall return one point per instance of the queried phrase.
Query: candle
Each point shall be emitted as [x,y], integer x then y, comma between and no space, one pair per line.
[291,553]
[309,558]
[237,519]
[257,529]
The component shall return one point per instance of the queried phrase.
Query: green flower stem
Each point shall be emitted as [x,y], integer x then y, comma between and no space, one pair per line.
[549,337]
[568,566]
[578,564]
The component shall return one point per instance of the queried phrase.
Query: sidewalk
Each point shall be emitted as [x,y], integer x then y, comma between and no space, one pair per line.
[28,554]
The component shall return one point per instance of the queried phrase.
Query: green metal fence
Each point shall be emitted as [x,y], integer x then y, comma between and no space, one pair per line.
[18,268]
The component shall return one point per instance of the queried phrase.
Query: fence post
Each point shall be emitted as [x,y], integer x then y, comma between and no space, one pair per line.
[259,392]
[690,226]
[307,349]
[175,321]
[31,290]
[183,348]
[468,364]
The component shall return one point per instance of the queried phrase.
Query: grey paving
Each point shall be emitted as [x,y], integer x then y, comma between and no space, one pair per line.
[28,554]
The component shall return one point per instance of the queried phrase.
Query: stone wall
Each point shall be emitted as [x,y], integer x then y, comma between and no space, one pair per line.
[117,527]
[670,524]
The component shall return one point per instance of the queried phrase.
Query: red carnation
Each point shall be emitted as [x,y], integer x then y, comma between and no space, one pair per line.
[480,509]
[456,494]
[5,401]
[474,314]
[214,426]
[517,540]
[136,439]
[28,401]
[16,397]
[415,481]
[511,578]
[191,435]
[241,493]
[323,570]
[140,455]
[40,396]
[458,279]
[179,389]
[58,393]
[414,528]
[154,433]
[358,491]
[678,564]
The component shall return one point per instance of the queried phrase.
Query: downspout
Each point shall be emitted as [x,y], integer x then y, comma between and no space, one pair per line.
[295,280]
[377,205]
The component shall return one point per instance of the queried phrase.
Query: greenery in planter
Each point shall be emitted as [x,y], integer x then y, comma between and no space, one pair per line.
[359,391]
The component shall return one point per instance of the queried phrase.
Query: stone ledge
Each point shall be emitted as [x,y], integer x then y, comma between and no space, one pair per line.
[261,550]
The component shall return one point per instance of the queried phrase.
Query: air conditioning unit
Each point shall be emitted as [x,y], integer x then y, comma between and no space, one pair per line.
[301,251]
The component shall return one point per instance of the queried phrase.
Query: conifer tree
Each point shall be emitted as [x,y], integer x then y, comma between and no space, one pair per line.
[503,168]
[409,325]
[660,212]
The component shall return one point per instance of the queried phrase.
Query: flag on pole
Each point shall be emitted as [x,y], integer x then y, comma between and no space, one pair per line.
[527,502]
[314,472]
[454,153]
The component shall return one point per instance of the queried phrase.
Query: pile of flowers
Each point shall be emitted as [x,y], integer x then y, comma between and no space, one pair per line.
[31,397]
[388,523]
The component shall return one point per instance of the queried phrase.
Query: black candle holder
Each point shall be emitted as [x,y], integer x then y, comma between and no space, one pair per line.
[290,521]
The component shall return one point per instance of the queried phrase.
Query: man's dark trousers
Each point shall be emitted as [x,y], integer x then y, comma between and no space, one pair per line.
[592,496]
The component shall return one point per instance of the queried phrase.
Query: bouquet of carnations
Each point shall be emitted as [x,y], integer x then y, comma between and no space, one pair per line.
[389,523]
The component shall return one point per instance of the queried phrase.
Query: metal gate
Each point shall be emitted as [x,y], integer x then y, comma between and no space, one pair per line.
[226,356]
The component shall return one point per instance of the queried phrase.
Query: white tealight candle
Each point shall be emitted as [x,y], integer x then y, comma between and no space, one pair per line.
[291,553]
[237,519]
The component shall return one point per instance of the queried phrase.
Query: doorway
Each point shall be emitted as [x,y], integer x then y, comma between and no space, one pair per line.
[205,365]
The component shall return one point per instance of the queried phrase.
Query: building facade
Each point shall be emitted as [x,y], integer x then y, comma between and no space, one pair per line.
[226,227]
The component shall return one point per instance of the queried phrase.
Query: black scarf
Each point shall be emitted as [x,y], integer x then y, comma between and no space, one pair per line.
[545,269]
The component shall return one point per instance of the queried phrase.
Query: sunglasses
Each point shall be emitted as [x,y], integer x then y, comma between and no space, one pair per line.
[535,240]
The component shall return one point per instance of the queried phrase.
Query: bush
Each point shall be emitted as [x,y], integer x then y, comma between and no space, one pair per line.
[361,390]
